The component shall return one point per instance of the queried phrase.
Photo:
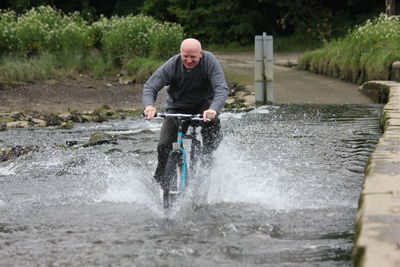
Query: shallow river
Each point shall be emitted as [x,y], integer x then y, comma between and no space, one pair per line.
[283,191]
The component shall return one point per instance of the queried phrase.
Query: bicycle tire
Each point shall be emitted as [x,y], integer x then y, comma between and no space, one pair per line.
[171,181]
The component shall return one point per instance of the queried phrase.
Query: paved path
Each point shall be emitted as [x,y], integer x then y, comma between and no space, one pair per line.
[294,86]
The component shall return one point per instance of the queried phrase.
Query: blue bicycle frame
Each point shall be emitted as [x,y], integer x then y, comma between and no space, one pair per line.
[178,147]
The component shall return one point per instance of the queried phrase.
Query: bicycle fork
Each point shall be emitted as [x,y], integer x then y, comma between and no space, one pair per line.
[178,147]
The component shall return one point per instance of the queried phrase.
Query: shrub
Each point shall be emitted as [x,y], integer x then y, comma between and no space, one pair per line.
[8,39]
[127,36]
[47,38]
[32,29]
[165,40]
[140,36]
[70,34]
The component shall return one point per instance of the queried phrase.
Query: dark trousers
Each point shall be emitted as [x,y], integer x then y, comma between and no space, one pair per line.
[210,132]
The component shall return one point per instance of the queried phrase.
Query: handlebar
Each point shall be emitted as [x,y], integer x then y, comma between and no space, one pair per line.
[194,117]
[180,115]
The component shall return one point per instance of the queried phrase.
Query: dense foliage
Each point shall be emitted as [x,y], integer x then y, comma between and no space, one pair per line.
[48,29]
[227,21]
[45,38]
[365,53]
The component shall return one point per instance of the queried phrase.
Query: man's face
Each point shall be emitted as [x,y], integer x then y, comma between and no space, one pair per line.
[190,57]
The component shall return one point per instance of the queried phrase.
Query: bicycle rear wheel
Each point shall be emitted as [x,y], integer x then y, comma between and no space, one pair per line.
[172,182]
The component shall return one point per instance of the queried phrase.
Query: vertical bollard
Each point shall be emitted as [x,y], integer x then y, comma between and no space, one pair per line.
[269,67]
[258,70]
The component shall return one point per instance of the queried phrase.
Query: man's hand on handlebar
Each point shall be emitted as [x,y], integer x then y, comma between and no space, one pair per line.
[149,112]
[209,114]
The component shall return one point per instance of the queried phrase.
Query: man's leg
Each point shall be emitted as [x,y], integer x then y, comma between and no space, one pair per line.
[212,137]
[167,137]
[211,133]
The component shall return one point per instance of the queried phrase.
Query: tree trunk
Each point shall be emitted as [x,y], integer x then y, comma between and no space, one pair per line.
[390,7]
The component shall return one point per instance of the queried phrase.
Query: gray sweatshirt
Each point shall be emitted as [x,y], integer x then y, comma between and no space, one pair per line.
[188,88]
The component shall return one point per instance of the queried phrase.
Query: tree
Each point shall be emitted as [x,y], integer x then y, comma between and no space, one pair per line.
[216,21]
[390,7]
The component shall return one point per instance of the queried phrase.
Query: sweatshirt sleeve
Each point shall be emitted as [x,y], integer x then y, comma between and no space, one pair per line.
[218,83]
[155,83]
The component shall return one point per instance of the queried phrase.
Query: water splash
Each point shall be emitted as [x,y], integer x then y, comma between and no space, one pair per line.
[237,178]
[129,185]
[7,170]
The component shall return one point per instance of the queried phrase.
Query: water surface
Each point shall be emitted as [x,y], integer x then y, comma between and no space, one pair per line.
[283,191]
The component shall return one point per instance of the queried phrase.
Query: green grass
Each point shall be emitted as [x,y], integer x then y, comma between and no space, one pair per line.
[239,78]
[365,53]
[140,68]
[293,43]
[27,69]
[69,66]
[233,47]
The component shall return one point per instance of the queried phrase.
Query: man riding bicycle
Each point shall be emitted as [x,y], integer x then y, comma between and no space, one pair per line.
[196,85]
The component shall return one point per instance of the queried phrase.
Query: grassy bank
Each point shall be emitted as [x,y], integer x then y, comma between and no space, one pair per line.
[45,43]
[365,53]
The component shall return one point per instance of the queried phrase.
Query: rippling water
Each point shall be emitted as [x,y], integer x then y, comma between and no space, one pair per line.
[283,192]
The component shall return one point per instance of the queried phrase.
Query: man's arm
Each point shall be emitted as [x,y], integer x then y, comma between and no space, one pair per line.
[151,88]
[218,83]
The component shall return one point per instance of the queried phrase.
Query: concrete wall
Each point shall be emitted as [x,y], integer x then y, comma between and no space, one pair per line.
[377,241]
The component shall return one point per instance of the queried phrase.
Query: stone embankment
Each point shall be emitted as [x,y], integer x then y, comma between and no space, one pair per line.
[378,219]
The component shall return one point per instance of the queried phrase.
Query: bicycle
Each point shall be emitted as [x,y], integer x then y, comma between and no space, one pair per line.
[176,177]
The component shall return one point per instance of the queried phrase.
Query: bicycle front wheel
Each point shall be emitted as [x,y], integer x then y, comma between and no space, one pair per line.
[175,172]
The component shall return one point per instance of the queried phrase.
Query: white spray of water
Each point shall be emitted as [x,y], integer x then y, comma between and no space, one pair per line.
[244,171]
[235,178]
[132,186]
[7,170]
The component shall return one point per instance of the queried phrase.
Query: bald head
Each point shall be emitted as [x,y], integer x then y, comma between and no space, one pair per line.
[190,53]
[190,44]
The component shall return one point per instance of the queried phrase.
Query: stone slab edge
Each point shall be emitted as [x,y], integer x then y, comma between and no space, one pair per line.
[377,238]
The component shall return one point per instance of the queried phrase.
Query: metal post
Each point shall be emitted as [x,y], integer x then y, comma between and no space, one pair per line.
[258,70]
[269,67]
[264,69]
